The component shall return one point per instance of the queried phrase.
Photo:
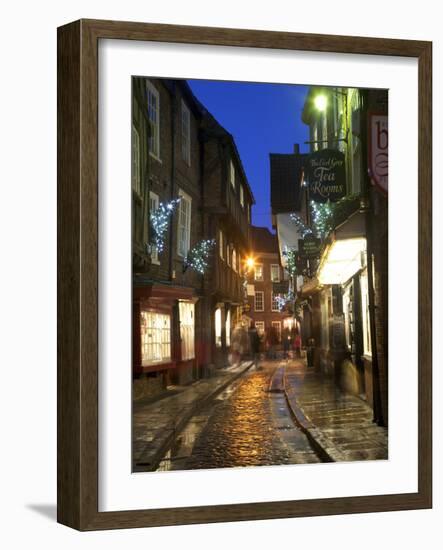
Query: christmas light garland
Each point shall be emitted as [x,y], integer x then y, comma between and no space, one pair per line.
[302,228]
[198,257]
[322,218]
[159,222]
[291,259]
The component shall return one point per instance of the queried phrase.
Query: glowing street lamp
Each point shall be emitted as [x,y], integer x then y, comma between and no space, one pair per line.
[250,262]
[321,102]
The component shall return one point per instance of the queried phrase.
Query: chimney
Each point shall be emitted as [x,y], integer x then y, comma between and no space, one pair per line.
[296,149]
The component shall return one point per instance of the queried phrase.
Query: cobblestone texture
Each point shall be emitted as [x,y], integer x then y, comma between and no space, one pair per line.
[341,422]
[249,426]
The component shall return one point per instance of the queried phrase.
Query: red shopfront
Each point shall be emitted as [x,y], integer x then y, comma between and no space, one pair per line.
[163,337]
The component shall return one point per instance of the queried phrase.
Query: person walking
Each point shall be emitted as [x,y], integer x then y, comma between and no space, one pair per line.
[254,342]
[297,344]
[286,342]
[272,342]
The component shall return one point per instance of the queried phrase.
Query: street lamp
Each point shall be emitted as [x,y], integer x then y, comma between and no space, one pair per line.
[321,102]
[250,262]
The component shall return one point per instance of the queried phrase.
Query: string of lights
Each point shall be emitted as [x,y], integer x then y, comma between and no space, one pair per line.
[198,257]
[159,222]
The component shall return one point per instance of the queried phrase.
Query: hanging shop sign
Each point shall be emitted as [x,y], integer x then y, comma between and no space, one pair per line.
[326,175]
[309,247]
[281,287]
[378,143]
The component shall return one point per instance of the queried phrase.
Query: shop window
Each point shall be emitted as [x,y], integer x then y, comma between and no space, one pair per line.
[155,337]
[259,301]
[218,328]
[187,329]
[228,327]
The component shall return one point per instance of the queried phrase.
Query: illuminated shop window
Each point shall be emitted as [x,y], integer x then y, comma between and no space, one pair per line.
[228,327]
[218,328]
[187,318]
[155,337]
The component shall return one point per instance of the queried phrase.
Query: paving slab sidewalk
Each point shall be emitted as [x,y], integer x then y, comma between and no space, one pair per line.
[338,424]
[157,423]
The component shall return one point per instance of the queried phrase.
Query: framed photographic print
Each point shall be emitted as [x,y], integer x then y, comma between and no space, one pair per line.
[244,275]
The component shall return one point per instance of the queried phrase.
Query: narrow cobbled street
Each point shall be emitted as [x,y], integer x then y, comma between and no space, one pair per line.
[248,424]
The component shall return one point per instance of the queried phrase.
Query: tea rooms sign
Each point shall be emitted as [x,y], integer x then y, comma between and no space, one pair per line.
[326,175]
[378,150]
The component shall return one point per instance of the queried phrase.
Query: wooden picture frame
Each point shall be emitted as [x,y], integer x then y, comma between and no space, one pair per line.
[78,274]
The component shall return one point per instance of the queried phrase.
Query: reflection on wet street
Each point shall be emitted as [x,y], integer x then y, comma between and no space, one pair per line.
[246,425]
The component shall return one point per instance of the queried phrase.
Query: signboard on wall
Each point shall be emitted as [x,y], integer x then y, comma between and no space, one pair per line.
[326,175]
[282,287]
[309,247]
[378,143]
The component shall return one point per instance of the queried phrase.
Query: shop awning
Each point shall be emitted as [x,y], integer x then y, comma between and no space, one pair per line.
[345,252]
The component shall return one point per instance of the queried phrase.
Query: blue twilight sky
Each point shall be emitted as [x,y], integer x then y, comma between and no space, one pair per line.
[263,118]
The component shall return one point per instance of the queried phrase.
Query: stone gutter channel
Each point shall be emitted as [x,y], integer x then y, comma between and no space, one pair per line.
[152,461]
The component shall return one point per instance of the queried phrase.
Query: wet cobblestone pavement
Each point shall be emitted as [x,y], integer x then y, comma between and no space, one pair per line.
[342,421]
[245,426]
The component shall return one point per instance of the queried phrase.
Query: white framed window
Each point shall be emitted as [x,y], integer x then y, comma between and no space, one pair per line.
[274,303]
[184,224]
[234,259]
[154,118]
[275,273]
[367,348]
[259,302]
[186,133]
[186,312]
[277,326]
[221,244]
[136,166]
[232,173]
[258,272]
[242,196]
[155,335]
[228,327]
[153,206]
[218,328]
[260,326]
[228,254]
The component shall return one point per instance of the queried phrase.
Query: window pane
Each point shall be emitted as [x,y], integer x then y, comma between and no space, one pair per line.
[155,337]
